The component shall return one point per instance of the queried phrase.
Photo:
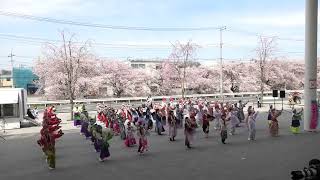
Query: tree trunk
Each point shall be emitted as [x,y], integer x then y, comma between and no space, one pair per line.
[72,104]
[262,85]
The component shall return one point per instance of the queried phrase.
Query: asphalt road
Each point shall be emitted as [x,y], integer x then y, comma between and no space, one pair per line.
[266,158]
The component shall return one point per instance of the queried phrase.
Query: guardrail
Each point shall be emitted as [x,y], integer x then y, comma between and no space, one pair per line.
[129,100]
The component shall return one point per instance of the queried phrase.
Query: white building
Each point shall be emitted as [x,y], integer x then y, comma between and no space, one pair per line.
[13,107]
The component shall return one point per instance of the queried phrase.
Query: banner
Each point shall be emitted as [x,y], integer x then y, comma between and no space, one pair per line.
[314,115]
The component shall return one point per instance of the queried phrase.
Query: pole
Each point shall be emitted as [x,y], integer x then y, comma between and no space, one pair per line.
[310,75]
[11,60]
[221,64]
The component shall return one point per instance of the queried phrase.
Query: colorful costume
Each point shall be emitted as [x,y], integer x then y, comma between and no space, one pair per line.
[234,121]
[49,133]
[143,142]
[252,125]
[130,139]
[172,126]
[189,130]
[107,135]
[76,116]
[295,123]
[205,124]
[274,126]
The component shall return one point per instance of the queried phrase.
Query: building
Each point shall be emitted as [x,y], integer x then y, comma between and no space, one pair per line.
[5,79]
[148,64]
[24,77]
[13,107]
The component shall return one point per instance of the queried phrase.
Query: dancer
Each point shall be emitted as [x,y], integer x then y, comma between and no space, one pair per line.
[107,135]
[97,137]
[217,117]
[189,130]
[241,116]
[49,148]
[121,120]
[274,126]
[172,126]
[157,117]
[205,123]
[234,121]
[296,118]
[84,117]
[76,116]
[224,129]
[143,142]
[252,116]
[130,139]
[270,115]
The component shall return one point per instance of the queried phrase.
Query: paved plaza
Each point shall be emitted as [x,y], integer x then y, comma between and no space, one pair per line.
[266,158]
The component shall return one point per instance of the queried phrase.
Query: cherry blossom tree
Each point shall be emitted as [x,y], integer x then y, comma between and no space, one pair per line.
[265,49]
[122,78]
[62,68]
[182,57]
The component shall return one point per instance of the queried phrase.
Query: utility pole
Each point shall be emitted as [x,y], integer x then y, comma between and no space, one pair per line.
[221,64]
[11,60]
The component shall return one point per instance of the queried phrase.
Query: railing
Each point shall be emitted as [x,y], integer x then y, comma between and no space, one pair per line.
[227,97]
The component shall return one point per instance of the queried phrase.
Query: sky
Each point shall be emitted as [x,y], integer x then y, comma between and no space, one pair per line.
[244,21]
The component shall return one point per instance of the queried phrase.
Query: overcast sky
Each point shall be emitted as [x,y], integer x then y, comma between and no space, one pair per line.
[243,19]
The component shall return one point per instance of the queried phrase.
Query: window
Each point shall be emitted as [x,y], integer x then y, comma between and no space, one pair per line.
[138,66]
[135,66]
[8,110]
[142,66]
[8,79]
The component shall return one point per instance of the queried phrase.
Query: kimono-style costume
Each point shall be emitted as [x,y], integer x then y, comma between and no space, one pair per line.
[274,126]
[159,127]
[84,124]
[189,131]
[130,139]
[116,127]
[49,149]
[97,136]
[106,136]
[76,117]
[295,123]
[240,112]
[252,126]
[122,130]
[149,122]
[217,118]
[223,131]
[234,121]
[269,117]
[179,117]
[143,142]
[205,124]
[172,127]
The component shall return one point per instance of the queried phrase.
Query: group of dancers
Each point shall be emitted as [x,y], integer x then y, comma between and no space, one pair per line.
[191,114]
[129,122]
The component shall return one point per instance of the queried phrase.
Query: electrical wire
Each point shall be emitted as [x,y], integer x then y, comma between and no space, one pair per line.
[94,25]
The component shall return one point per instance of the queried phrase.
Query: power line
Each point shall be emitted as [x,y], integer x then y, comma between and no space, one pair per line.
[250,33]
[93,25]
[110,45]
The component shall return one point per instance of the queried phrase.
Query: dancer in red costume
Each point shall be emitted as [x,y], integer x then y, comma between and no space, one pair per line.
[49,133]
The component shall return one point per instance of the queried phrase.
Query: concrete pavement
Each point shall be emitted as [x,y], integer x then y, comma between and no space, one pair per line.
[264,159]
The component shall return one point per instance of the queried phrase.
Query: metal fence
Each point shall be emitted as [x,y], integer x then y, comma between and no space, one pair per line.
[134,100]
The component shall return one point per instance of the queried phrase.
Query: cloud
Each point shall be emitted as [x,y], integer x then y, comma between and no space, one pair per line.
[277,20]
[39,7]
